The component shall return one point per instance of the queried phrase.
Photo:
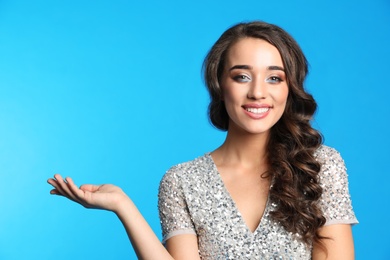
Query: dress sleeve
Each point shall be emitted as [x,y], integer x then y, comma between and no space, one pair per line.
[175,218]
[336,201]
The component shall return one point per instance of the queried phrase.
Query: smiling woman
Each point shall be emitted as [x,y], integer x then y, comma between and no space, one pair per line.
[267,192]
[254,86]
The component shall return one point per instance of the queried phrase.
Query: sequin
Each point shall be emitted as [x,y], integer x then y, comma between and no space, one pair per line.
[194,200]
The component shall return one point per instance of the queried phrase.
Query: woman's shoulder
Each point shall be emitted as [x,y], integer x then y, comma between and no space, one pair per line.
[333,168]
[326,154]
[189,168]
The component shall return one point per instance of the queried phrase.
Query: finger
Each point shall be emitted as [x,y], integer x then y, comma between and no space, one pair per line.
[80,194]
[84,193]
[53,182]
[63,187]
[55,192]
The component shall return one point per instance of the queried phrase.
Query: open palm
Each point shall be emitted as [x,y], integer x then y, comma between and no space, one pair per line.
[106,196]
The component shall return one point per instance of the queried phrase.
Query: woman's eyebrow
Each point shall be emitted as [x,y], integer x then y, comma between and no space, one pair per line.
[275,68]
[247,67]
[242,67]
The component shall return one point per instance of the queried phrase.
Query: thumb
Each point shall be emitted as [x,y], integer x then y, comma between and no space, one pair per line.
[89,187]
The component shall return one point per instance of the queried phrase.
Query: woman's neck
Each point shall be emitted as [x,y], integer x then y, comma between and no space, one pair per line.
[246,149]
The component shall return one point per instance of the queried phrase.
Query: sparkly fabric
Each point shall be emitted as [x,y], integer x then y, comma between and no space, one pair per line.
[194,200]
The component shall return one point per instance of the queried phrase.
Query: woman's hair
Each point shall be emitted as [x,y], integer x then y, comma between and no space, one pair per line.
[292,165]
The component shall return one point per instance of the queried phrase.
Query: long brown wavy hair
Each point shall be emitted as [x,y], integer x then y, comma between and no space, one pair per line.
[292,165]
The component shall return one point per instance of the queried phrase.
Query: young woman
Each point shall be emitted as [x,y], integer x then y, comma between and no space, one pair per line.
[270,191]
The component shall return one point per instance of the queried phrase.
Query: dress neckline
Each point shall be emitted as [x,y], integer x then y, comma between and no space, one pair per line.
[230,198]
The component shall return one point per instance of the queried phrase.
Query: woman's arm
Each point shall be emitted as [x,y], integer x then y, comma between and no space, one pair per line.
[339,246]
[112,198]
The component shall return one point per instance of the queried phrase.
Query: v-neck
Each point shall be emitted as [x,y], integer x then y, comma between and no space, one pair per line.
[230,198]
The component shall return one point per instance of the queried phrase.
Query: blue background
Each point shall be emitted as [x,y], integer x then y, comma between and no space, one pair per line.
[111,92]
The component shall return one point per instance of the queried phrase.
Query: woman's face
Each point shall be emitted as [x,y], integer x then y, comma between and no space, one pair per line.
[254,86]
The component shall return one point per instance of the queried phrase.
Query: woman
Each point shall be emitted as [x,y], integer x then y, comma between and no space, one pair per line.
[270,191]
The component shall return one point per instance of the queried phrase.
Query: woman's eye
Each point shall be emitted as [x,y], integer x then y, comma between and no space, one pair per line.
[274,79]
[241,78]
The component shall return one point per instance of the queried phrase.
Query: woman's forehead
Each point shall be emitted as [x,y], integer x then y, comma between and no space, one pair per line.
[253,52]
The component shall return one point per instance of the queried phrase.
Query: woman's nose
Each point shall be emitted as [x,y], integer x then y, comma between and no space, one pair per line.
[257,90]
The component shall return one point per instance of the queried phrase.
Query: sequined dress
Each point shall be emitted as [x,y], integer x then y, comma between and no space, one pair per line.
[194,200]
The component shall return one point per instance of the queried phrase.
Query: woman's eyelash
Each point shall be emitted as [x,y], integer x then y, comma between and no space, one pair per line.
[274,79]
[245,78]
[242,78]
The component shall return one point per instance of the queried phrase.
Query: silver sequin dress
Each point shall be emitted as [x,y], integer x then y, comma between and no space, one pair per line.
[194,200]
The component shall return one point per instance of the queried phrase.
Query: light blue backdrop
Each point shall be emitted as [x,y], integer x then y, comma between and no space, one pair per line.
[110,91]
